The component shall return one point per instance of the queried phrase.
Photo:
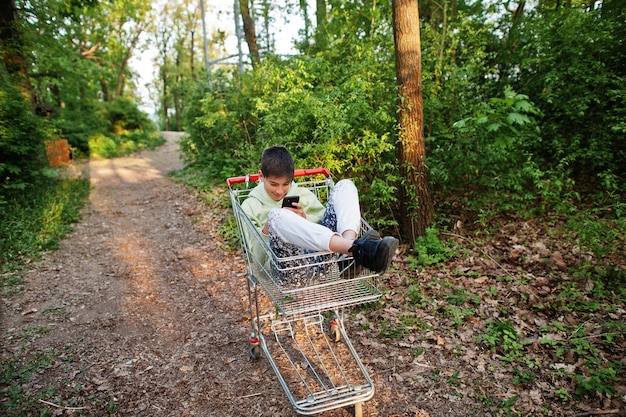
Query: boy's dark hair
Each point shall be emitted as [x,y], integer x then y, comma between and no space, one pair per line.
[277,162]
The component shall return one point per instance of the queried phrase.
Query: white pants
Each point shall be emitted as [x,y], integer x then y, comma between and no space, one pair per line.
[289,233]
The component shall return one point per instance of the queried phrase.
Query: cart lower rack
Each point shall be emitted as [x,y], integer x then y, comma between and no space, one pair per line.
[299,330]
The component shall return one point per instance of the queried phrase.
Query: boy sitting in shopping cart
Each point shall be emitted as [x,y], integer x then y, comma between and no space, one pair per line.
[307,226]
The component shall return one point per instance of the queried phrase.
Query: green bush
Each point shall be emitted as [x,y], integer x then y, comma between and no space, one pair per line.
[22,135]
[125,143]
[489,144]
[580,87]
[337,120]
[123,114]
[221,129]
[103,146]
[500,149]
[105,129]
[77,123]
[430,250]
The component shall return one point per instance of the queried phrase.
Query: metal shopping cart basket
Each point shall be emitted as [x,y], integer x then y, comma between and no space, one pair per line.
[297,316]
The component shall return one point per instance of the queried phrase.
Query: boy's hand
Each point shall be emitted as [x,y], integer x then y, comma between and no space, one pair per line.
[297,208]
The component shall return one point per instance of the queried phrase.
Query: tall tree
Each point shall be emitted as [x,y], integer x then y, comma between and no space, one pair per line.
[163,34]
[321,30]
[173,36]
[11,47]
[118,25]
[246,7]
[417,208]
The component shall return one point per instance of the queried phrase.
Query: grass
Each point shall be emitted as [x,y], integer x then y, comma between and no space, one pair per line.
[35,221]
[31,223]
[48,399]
[15,373]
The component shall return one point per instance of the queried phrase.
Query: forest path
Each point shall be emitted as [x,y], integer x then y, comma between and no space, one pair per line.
[140,311]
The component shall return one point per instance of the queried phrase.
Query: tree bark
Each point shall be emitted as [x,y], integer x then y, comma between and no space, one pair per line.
[166,113]
[321,29]
[417,208]
[128,53]
[7,32]
[11,47]
[249,31]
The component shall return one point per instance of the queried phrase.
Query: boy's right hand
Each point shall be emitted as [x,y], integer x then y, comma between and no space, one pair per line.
[297,208]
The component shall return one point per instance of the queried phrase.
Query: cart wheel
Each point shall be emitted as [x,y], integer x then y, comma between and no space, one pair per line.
[254,348]
[333,331]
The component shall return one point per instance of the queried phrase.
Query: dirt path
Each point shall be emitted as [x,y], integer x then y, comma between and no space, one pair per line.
[141,312]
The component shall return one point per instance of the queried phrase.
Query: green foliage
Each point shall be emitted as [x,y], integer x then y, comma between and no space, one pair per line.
[36,221]
[77,55]
[127,130]
[418,297]
[337,121]
[459,296]
[22,134]
[601,380]
[502,337]
[230,234]
[600,231]
[431,250]
[13,375]
[580,86]
[24,369]
[488,147]
[220,130]
[505,127]
[77,123]
[125,143]
[122,114]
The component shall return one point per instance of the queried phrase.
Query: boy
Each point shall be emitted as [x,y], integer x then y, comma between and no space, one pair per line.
[308,225]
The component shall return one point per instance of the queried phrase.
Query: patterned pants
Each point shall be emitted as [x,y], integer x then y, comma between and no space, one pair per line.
[291,235]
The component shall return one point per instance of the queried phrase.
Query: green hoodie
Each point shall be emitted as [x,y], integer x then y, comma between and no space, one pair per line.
[258,204]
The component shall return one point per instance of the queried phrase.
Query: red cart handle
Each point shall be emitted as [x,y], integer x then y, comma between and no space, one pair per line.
[296,173]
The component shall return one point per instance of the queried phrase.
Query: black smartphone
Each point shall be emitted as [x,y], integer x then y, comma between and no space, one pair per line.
[289,200]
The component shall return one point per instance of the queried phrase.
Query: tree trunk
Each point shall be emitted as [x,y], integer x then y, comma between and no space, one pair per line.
[416,206]
[128,53]
[176,96]
[193,71]
[104,87]
[509,45]
[7,35]
[249,31]
[166,113]
[11,47]
[307,22]
[321,30]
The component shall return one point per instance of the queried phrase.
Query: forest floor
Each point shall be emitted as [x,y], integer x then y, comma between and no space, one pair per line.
[143,311]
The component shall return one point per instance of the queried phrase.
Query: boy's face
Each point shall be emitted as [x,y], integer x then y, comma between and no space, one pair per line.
[276,187]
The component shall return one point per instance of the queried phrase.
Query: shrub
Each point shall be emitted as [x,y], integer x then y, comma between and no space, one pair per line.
[123,114]
[430,250]
[103,146]
[22,134]
[340,120]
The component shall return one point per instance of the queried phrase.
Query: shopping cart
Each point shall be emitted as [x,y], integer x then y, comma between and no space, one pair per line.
[297,317]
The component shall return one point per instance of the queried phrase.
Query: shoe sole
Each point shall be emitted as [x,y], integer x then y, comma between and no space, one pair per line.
[387,249]
[371,234]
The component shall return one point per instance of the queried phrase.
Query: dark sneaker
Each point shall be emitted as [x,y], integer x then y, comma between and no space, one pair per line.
[374,254]
[349,268]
